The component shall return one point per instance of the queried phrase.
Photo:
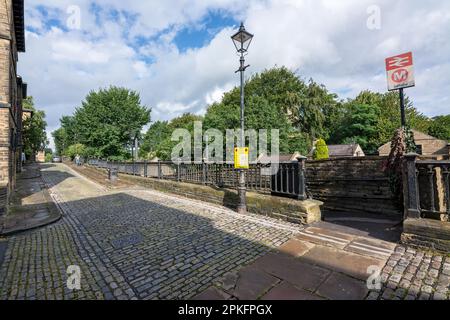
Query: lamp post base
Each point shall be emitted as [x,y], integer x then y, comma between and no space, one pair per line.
[242,209]
[242,205]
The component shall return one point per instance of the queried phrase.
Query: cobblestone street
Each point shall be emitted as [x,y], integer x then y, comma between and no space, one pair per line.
[135,243]
[132,244]
[410,275]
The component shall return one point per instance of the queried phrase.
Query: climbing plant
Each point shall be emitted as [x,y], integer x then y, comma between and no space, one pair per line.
[394,165]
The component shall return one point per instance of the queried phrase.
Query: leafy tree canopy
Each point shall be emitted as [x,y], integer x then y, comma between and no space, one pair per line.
[106,123]
[34,135]
[277,99]
[440,127]
[371,119]
[156,134]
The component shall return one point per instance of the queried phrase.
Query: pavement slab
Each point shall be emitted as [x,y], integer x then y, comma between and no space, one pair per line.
[371,247]
[325,237]
[212,293]
[342,287]
[252,284]
[296,248]
[300,274]
[341,261]
[286,291]
[31,204]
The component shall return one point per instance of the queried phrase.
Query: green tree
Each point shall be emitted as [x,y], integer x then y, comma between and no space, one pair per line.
[279,99]
[389,116]
[60,140]
[34,135]
[316,110]
[308,107]
[371,119]
[153,139]
[260,114]
[76,149]
[440,127]
[107,121]
[360,126]
[185,121]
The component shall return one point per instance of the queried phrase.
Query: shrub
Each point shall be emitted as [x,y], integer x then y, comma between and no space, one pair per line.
[48,157]
[321,151]
[75,149]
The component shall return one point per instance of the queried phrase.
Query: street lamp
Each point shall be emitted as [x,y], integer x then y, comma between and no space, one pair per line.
[242,40]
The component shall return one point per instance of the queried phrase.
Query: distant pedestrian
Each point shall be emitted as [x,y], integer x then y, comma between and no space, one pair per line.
[77,160]
[24,158]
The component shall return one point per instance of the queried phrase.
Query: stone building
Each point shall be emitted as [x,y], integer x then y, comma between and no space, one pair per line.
[282,158]
[12,90]
[426,145]
[345,150]
[341,151]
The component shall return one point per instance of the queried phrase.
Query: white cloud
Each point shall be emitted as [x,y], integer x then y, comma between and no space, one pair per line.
[324,39]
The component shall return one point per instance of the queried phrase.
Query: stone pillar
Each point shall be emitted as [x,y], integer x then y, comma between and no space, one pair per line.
[159,170]
[302,178]
[411,188]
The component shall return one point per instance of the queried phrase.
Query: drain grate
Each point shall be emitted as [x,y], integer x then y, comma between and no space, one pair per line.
[128,240]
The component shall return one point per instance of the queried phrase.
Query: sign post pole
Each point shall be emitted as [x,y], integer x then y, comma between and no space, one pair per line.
[402,107]
[400,75]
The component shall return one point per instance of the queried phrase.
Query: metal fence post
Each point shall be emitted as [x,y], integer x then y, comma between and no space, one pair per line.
[204,172]
[178,171]
[145,169]
[159,170]
[411,188]
[301,178]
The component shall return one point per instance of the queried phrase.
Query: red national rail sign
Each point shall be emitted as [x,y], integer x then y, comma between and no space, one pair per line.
[400,71]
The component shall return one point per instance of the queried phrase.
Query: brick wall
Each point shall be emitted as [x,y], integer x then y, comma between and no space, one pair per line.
[351,184]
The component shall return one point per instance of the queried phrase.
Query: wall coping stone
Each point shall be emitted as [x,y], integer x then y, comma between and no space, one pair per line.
[292,210]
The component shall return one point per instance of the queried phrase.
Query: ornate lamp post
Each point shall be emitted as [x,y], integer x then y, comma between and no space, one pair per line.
[242,40]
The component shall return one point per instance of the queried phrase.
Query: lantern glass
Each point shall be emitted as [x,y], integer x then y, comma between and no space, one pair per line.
[242,39]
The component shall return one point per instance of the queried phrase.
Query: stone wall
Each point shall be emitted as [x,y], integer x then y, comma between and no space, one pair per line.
[295,211]
[427,234]
[352,185]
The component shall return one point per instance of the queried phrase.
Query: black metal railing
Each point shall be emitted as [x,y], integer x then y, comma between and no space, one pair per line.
[426,188]
[283,179]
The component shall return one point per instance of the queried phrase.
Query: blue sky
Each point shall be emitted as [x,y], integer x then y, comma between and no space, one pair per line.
[200,34]
[179,56]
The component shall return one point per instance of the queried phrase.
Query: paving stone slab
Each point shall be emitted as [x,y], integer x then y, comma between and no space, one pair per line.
[252,284]
[286,291]
[342,287]
[212,293]
[296,248]
[300,274]
[341,261]
[325,237]
[371,247]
